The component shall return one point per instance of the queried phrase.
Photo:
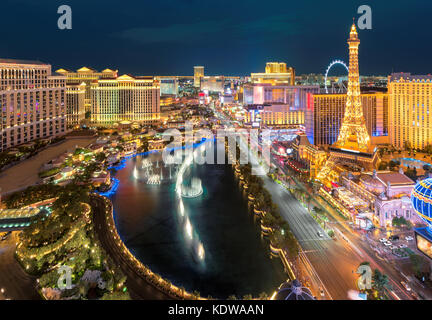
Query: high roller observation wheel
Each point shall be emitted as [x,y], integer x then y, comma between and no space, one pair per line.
[334,62]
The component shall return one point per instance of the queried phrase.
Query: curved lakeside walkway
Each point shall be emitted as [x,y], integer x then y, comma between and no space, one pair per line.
[140,288]
[141,281]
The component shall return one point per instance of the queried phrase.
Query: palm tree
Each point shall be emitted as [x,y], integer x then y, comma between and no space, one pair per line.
[380,282]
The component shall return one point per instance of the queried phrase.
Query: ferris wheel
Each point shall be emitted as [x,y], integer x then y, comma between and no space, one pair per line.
[333,63]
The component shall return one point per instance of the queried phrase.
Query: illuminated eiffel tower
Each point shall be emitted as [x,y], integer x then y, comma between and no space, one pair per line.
[353,149]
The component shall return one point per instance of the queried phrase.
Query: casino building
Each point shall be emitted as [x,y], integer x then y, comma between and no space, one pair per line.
[87,76]
[421,198]
[276,73]
[125,99]
[324,115]
[75,104]
[386,193]
[410,115]
[277,105]
[32,102]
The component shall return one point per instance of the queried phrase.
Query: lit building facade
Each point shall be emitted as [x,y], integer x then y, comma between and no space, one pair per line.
[198,74]
[75,105]
[32,102]
[323,117]
[410,100]
[87,76]
[276,73]
[277,105]
[279,115]
[311,155]
[168,86]
[213,84]
[125,99]
[297,97]
[387,194]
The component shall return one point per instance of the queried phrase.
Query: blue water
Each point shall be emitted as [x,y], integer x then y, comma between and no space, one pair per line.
[237,260]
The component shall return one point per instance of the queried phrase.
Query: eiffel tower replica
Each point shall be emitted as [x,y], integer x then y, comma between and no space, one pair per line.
[353,150]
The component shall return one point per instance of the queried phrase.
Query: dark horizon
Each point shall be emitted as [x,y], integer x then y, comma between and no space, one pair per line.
[231,39]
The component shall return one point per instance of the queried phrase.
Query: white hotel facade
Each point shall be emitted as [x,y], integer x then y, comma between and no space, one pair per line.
[32,102]
[125,99]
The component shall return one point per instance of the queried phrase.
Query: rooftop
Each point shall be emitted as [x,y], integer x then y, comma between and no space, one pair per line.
[409,77]
[395,178]
[293,291]
[18,61]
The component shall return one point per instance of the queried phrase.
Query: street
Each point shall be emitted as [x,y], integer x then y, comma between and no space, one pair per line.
[333,261]
[330,264]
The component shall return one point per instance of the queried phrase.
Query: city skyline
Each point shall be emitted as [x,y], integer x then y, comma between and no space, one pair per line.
[168,39]
[187,150]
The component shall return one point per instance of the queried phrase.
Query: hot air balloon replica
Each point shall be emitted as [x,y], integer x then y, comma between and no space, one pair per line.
[421,199]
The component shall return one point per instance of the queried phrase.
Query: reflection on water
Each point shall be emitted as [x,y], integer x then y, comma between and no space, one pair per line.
[209,243]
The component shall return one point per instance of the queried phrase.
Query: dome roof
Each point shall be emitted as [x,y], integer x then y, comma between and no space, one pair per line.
[372,183]
[421,199]
[293,291]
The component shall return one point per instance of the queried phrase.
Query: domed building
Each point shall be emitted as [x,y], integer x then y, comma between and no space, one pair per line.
[387,194]
[371,183]
[293,290]
[421,199]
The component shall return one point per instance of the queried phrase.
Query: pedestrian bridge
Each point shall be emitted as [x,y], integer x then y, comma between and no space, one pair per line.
[18,219]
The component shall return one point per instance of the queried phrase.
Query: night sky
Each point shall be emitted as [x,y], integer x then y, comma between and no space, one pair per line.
[237,37]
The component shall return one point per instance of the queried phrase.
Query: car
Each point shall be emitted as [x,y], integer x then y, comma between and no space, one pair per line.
[393,247]
[406,286]
[388,243]
[394,238]
[382,240]
[321,292]
[402,246]
[409,238]
[320,234]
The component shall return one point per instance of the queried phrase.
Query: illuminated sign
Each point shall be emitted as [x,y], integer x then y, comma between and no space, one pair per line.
[424,245]
[350,150]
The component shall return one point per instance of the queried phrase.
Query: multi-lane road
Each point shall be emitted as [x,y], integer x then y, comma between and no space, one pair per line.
[331,263]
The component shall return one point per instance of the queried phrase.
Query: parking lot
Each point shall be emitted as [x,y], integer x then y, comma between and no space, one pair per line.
[399,246]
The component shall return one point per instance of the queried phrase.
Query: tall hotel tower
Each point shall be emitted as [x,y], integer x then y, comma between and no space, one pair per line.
[353,149]
[32,102]
[198,74]
[84,75]
[410,99]
[125,98]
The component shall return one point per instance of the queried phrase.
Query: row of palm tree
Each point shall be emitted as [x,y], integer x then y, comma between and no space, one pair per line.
[281,235]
